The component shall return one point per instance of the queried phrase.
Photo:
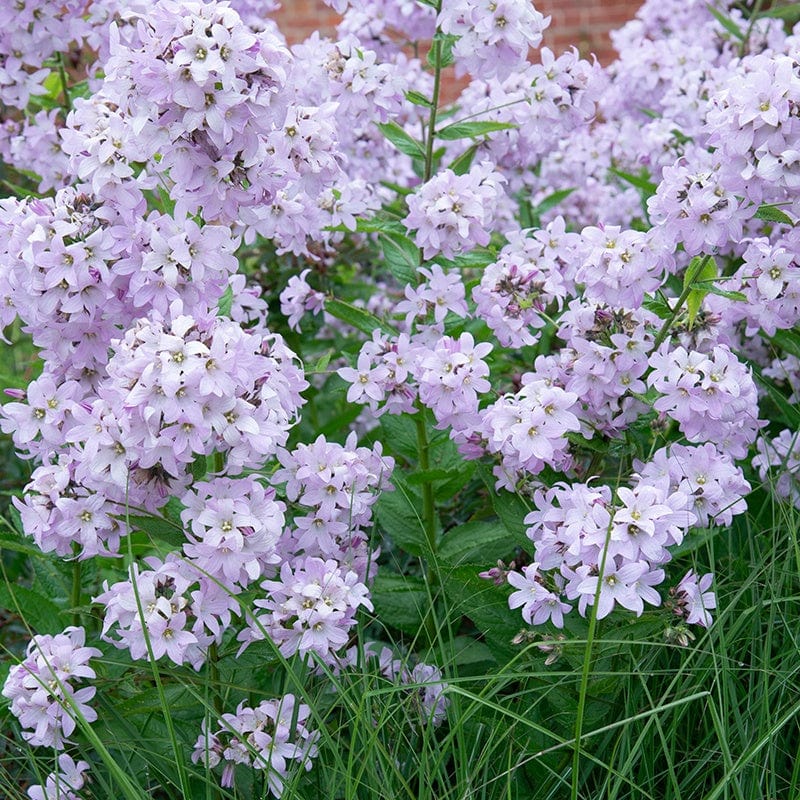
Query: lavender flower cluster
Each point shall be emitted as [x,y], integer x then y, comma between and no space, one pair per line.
[595,258]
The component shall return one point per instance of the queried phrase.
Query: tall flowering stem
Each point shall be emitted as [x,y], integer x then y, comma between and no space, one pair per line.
[428,503]
[437,85]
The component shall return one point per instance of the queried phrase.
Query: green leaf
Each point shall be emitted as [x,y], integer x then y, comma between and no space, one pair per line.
[225,303]
[38,611]
[552,200]
[772,213]
[726,22]
[476,543]
[701,269]
[402,256]
[400,601]
[401,140]
[790,414]
[788,340]
[448,41]
[160,529]
[511,509]
[199,467]
[739,297]
[658,306]
[359,318]
[641,182]
[399,515]
[418,99]
[790,13]
[462,164]
[400,435]
[468,130]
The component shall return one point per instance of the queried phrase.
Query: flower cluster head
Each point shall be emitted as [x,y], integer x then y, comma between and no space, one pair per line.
[528,429]
[273,737]
[531,276]
[63,784]
[452,213]
[333,488]
[235,525]
[41,690]
[440,293]
[310,608]
[711,395]
[298,298]
[494,37]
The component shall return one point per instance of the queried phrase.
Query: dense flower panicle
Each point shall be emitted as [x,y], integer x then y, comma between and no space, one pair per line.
[770,280]
[41,689]
[531,276]
[441,293]
[714,485]
[528,429]
[336,486]
[63,784]
[753,122]
[452,213]
[543,103]
[273,737]
[711,396]
[310,608]
[451,375]
[182,610]
[692,206]
[200,385]
[235,526]
[494,38]
[619,267]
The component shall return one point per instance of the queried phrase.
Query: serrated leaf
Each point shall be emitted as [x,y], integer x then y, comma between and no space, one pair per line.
[726,22]
[199,467]
[400,435]
[400,601]
[772,213]
[39,612]
[322,363]
[399,516]
[640,182]
[159,529]
[402,256]
[462,164]
[476,543]
[403,141]
[739,297]
[468,130]
[659,307]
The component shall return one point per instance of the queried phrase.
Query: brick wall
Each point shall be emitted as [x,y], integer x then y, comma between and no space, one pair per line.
[583,23]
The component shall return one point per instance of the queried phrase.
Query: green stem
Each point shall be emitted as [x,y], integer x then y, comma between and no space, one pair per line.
[587,667]
[437,87]
[687,290]
[213,675]
[428,503]
[62,74]
[75,594]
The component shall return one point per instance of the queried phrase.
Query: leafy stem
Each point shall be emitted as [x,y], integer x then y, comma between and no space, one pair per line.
[676,309]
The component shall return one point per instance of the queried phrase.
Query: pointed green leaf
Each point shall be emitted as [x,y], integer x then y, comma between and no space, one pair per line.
[467,130]
[772,213]
[359,318]
[403,141]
